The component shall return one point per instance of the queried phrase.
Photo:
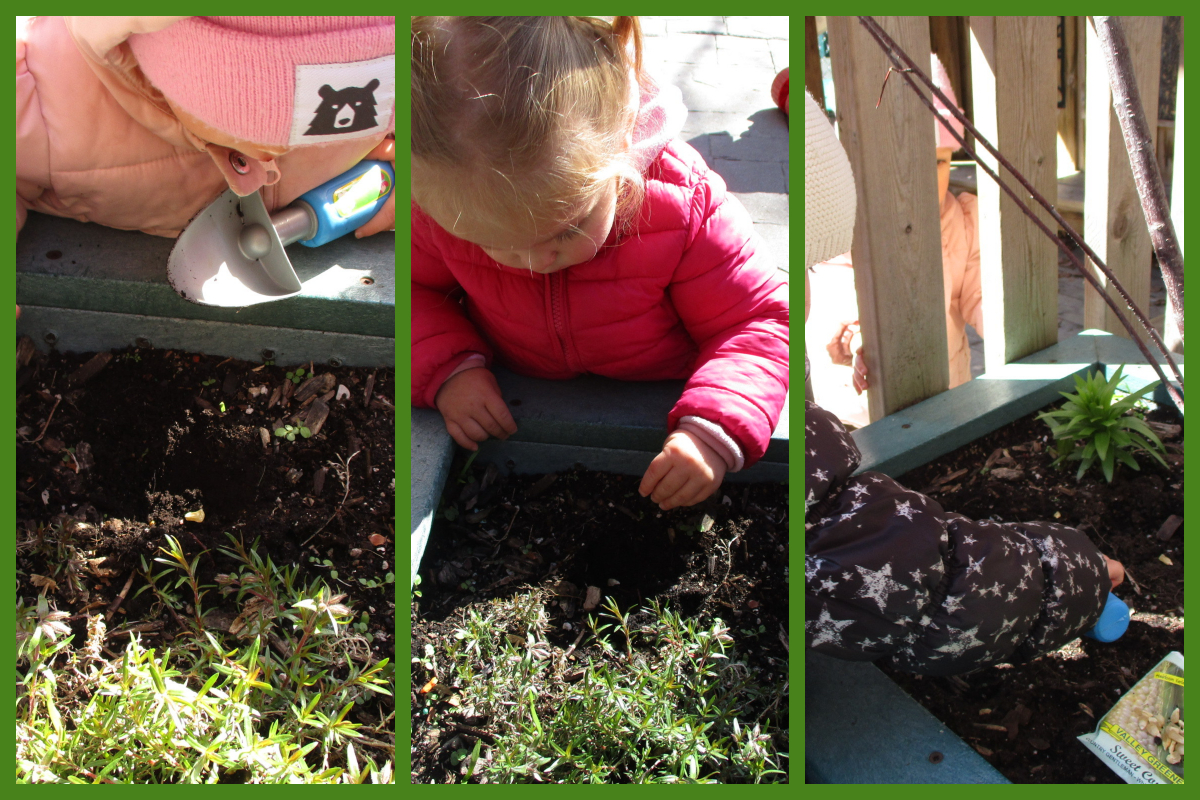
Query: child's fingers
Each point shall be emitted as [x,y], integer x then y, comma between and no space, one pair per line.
[690,493]
[492,425]
[384,151]
[457,434]
[1116,572]
[654,473]
[506,425]
[384,219]
[668,487]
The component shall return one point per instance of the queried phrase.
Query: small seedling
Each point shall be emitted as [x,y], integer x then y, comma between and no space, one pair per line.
[208,382]
[296,376]
[290,432]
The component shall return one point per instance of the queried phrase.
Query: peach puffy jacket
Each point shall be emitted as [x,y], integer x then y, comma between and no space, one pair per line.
[97,143]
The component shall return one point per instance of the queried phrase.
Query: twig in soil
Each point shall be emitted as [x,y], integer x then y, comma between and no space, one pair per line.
[574,644]
[115,604]
[489,737]
[83,612]
[57,400]
[516,511]
[141,627]
[1134,583]
[343,473]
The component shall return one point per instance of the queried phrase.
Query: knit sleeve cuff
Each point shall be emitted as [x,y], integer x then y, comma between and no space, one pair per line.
[715,437]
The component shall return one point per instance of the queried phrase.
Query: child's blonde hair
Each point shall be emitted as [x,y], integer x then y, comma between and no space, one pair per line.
[521,121]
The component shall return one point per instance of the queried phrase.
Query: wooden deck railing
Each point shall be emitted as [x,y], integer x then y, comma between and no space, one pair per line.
[1014,78]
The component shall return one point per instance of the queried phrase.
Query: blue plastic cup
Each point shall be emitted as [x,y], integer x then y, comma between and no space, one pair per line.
[1114,620]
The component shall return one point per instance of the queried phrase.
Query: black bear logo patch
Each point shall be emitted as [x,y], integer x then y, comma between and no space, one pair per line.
[350,109]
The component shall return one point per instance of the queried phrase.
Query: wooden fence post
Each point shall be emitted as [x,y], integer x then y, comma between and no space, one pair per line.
[1015,77]
[812,62]
[1113,221]
[897,248]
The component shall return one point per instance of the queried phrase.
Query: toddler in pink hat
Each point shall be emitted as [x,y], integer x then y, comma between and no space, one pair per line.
[140,122]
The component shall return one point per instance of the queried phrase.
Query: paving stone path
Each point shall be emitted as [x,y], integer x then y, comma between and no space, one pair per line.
[724,67]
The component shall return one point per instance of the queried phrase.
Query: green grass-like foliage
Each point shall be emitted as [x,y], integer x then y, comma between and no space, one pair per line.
[1093,429]
[679,707]
[266,702]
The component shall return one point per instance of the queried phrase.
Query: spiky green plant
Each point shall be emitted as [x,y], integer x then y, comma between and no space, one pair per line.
[1091,428]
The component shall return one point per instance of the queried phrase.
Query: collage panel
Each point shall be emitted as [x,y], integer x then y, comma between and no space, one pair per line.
[600,371]
[993,472]
[205,391]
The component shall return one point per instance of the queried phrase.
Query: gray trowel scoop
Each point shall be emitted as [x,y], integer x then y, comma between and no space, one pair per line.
[232,253]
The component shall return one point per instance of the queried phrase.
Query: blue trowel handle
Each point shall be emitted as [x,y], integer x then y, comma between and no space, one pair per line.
[1113,621]
[348,202]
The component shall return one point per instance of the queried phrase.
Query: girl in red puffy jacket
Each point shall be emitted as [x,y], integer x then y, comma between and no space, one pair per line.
[559,226]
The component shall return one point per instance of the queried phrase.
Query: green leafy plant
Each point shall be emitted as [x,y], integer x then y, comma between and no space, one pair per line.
[1091,428]
[290,432]
[268,701]
[296,376]
[659,698]
[208,382]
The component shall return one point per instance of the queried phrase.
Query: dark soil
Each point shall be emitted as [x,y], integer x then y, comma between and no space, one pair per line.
[563,533]
[1044,705]
[114,453]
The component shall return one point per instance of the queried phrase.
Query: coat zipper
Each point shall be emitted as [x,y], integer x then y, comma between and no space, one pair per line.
[558,315]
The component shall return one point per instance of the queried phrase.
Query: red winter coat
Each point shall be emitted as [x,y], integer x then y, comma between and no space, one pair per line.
[687,295]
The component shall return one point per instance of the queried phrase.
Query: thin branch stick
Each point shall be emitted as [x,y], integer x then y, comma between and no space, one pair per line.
[344,474]
[895,54]
[1127,102]
[57,400]
[115,604]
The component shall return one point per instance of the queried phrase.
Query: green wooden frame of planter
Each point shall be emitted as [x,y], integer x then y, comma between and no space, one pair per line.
[83,287]
[859,710]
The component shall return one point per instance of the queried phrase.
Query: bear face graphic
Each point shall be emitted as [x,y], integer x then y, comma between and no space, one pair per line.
[344,111]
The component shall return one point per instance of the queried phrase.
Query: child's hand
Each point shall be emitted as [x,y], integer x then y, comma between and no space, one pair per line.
[839,346]
[686,472]
[860,371]
[1116,571]
[473,408]
[845,349]
[385,217]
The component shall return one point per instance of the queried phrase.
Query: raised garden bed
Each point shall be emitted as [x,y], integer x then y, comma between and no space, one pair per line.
[857,707]
[117,453]
[511,683]
[1024,719]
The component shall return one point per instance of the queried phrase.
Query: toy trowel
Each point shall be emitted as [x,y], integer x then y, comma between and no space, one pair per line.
[232,253]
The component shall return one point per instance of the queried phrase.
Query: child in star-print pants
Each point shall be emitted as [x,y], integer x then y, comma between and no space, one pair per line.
[891,576]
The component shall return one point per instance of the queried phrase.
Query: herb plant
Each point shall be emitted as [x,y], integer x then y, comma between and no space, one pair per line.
[1091,428]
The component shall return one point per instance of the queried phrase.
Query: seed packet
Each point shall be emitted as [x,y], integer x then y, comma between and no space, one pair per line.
[1141,737]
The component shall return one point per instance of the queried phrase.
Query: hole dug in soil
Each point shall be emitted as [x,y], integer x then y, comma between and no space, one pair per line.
[500,543]
[1024,718]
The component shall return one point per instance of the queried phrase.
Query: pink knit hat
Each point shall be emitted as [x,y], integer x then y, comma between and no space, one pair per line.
[941,79]
[278,81]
